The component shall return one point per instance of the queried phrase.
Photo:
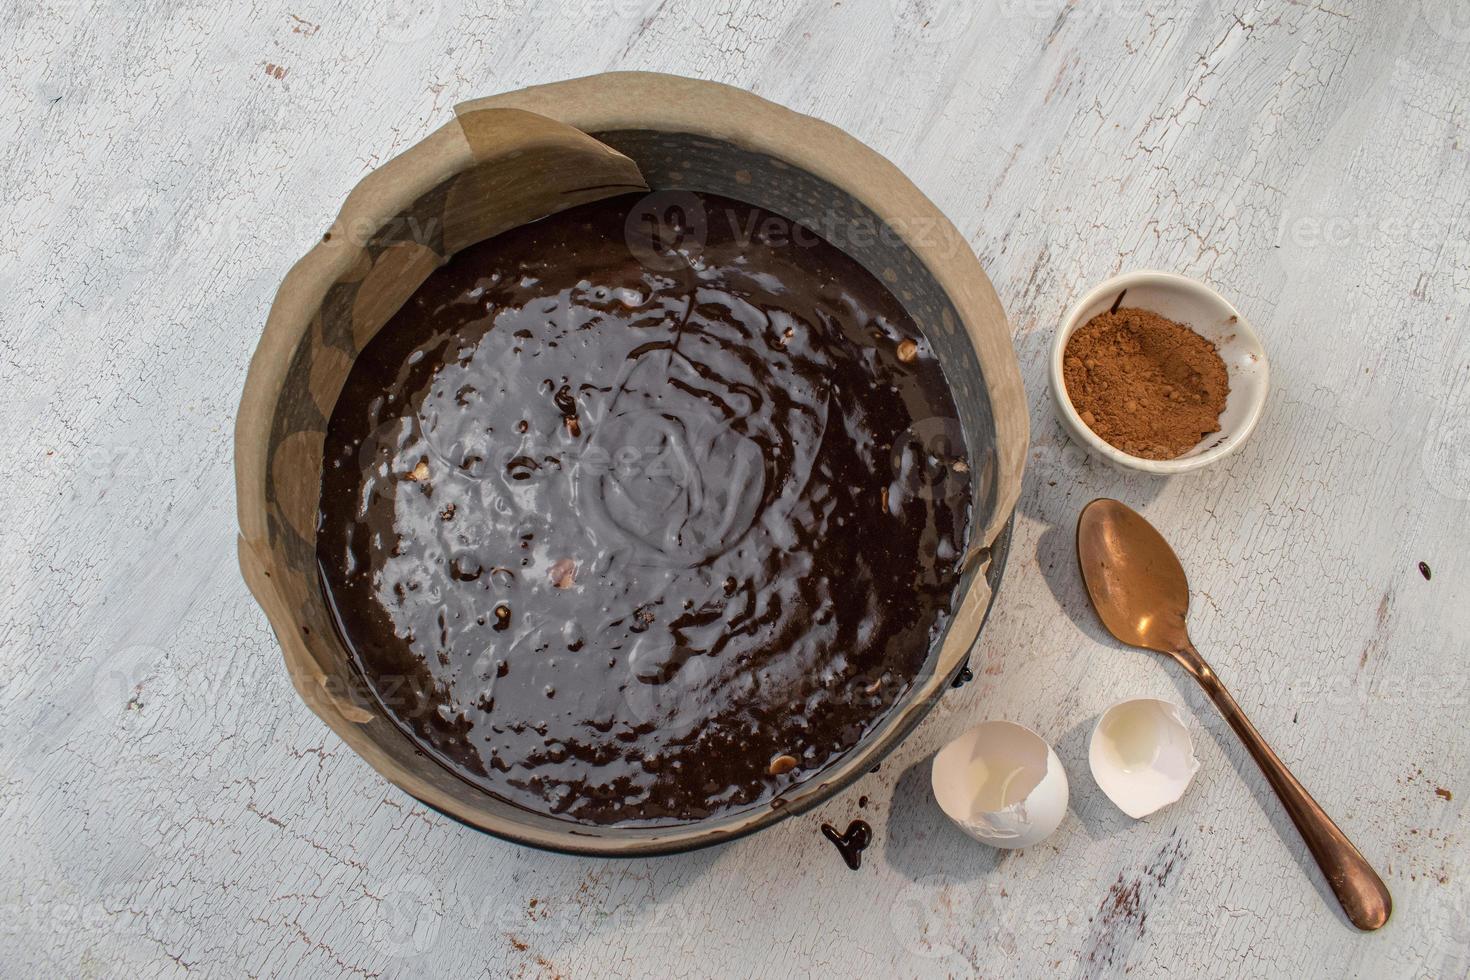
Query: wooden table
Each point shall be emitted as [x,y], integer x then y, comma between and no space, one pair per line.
[168,805]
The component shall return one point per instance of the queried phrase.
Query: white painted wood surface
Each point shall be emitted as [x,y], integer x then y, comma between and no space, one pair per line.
[167,805]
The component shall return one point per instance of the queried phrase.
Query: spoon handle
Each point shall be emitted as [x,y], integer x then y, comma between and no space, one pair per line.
[1362,893]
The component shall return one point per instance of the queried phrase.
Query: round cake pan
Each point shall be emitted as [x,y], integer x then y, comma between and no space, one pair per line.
[514,158]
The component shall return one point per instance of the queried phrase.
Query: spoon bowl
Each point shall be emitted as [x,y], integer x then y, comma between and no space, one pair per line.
[1141,594]
[1134,578]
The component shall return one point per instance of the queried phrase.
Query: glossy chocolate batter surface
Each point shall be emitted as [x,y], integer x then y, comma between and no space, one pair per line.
[643,535]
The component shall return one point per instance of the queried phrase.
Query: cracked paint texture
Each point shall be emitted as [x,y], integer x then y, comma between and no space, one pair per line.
[169,806]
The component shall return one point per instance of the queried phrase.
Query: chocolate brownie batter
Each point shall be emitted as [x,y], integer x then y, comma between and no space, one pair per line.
[632,528]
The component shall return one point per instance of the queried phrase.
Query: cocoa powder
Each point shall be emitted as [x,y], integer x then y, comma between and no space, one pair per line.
[1145,384]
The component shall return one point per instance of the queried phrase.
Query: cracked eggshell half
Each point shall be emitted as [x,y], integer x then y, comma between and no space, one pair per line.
[1142,755]
[1002,784]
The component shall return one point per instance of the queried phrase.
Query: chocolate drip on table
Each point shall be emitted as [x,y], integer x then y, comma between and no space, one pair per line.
[851,843]
[641,542]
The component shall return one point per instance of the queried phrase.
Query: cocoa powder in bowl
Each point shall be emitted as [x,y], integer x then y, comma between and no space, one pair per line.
[1145,384]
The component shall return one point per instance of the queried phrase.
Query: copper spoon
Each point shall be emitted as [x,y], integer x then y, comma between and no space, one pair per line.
[1139,590]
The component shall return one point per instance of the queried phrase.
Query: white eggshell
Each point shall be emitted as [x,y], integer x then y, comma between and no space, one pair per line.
[1002,784]
[1142,756]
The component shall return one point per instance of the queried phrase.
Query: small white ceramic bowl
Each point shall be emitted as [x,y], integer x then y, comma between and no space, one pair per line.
[1210,315]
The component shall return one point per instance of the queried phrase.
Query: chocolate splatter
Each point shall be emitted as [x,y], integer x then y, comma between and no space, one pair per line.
[1123,914]
[1443,793]
[852,843]
[1380,628]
